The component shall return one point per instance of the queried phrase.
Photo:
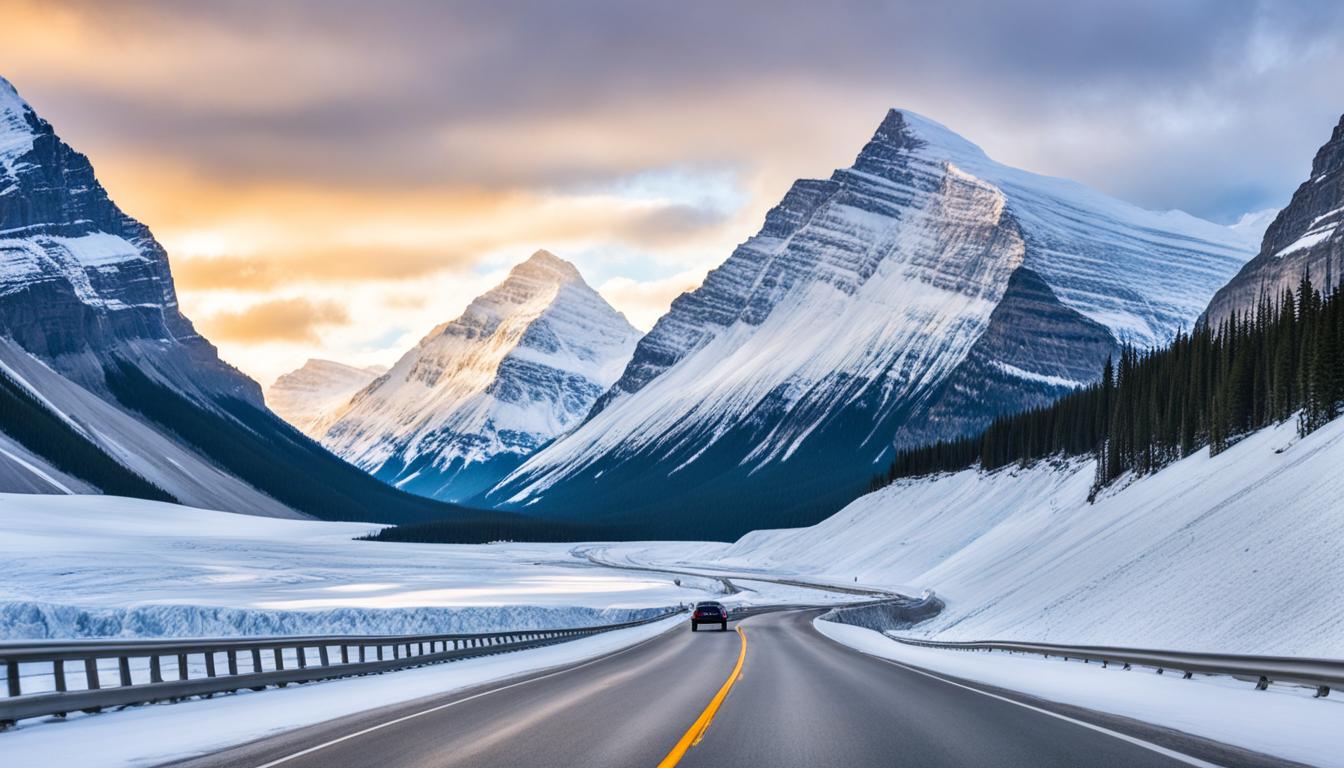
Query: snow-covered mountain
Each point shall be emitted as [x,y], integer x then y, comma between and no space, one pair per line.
[303,396]
[907,298]
[523,363]
[1307,237]
[80,281]
[106,386]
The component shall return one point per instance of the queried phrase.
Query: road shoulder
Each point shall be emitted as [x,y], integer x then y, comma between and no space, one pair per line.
[1222,721]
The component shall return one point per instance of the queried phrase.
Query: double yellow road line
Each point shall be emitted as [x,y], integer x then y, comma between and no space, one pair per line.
[701,724]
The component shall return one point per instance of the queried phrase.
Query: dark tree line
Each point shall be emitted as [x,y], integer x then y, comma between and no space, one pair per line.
[1209,388]
[30,423]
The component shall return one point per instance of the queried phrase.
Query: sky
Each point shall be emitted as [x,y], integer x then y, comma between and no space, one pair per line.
[333,179]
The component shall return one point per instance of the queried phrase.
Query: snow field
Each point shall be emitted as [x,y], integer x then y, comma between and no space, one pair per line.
[98,566]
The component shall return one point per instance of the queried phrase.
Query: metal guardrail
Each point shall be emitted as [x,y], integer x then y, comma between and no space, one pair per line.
[232,664]
[1321,674]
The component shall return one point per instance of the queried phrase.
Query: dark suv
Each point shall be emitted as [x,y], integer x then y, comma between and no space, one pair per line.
[709,612]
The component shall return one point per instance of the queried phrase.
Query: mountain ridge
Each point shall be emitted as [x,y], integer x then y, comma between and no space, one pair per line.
[522,364]
[1306,237]
[833,334]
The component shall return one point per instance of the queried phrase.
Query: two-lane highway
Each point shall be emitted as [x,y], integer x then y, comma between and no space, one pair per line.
[800,700]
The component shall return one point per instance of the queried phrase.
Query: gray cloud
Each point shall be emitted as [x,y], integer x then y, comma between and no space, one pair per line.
[1214,106]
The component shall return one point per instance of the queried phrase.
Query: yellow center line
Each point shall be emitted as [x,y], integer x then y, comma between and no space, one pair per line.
[701,724]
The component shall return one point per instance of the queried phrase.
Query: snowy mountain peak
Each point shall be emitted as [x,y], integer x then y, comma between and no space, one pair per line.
[902,128]
[17,124]
[522,364]
[305,395]
[544,265]
[909,297]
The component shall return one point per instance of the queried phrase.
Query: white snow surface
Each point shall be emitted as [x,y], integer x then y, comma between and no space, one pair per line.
[1252,225]
[23,260]
[83,566]
[522,364]
[303,396]
[16,136]
[1309,239]
[1233,553]
[152,735]
[1283,721]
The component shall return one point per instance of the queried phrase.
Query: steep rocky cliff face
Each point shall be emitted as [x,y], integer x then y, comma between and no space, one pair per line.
[1306,238]
[909,297]
[82,283]
[477,395]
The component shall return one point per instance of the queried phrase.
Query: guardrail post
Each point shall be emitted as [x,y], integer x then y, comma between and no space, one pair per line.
[155,669]
[181,666]
[233,661]
[12,677]
[301,654]
[396,651]
[380,652]
[361,654]
[91,672]
[58,671]
[124,671]
[345,654]
[279,658]
[209,663]
[322,656]
[256,660]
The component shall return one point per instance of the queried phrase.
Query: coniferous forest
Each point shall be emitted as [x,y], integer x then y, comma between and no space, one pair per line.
[29,422]
[1209,388]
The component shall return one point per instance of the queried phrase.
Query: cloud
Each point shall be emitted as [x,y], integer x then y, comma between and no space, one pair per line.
[357,152]
[293,319]
[643,302]
[528,94]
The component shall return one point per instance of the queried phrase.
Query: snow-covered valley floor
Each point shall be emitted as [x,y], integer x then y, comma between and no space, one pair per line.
[93,566]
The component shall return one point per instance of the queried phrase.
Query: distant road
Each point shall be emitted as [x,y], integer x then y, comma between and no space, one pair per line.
[800,700]
[597,559]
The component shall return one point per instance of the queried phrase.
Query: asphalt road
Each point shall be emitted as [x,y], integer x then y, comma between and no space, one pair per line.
[801,700]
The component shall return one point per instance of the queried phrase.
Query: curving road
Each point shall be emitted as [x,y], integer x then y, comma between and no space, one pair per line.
[800,700]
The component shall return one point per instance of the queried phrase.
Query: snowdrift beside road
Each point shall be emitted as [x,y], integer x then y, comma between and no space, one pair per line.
[1238,552]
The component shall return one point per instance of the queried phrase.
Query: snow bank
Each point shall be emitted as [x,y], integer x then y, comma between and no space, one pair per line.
[1282,721]
[1235,553]
[29,620]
